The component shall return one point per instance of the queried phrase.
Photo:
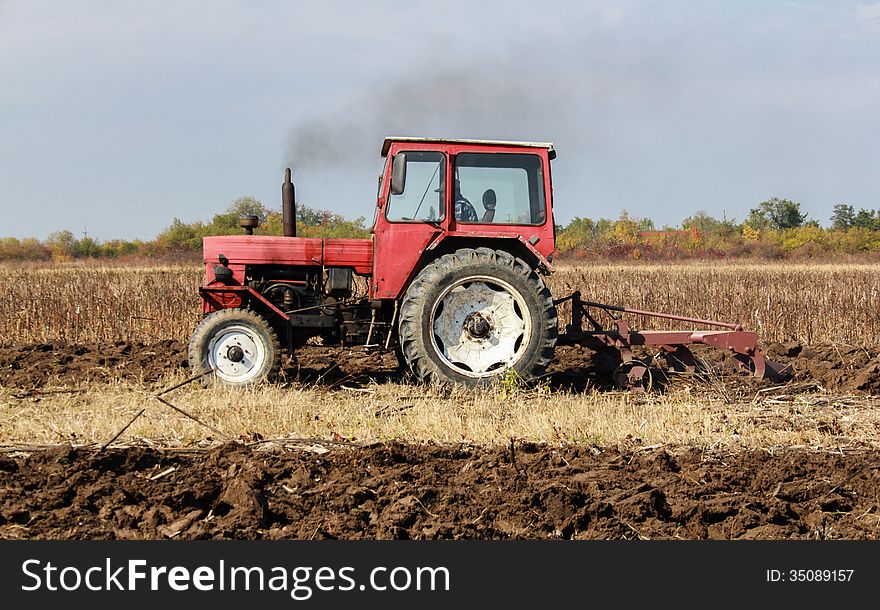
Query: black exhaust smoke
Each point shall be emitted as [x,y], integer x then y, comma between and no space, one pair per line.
[288,206]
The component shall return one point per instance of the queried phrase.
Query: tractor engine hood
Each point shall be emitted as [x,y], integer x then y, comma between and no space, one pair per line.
[297,251]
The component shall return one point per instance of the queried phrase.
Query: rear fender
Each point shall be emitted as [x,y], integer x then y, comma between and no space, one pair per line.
[525,250]
[517,247]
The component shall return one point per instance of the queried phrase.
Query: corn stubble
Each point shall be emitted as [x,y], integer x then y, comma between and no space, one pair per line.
[813,303]
[85,305]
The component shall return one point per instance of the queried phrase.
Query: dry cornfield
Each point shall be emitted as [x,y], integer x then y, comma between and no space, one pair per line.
[83,304]
[813,303]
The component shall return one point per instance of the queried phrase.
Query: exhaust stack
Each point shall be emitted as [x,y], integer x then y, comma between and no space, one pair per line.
[288,206]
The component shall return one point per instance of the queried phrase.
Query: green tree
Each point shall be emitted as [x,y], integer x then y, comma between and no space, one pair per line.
[776,213]
[625,229]
[227,223]
[118,247]
[645,224]
[867,219]
[88,246]
[180,236]
[709,225]
[62,245]
[579,233]
[310,217]
[324,223]
[273,225]
[842,217]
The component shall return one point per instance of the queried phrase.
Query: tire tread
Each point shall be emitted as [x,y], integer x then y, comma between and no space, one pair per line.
[197,353]
[413,305]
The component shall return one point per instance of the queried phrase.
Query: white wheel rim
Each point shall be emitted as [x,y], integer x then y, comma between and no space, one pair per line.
[480,326]
[228,346]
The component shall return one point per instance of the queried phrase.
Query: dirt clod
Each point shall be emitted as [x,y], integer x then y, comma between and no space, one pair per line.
[439,491]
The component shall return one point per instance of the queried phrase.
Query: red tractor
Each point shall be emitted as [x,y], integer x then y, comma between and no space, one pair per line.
[463,233]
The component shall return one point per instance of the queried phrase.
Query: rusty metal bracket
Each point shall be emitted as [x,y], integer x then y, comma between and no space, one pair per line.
[743,345]
[248,290]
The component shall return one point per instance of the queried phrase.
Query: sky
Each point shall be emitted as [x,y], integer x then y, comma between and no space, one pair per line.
[118,116]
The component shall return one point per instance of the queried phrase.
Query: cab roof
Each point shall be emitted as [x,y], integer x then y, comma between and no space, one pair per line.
[386,145]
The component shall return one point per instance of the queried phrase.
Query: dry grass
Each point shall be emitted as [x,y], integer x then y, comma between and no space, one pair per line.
[392,411]
[811,302]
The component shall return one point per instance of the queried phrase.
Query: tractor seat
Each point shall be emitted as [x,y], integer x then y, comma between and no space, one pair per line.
[489,204]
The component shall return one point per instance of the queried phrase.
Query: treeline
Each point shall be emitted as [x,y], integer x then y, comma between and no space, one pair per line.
[181,238]
[777,228]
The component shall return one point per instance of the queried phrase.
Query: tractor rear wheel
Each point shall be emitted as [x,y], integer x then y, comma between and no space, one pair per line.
[472,315]
[238,344]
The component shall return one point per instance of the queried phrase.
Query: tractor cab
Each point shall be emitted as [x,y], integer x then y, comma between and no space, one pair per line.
[439,195]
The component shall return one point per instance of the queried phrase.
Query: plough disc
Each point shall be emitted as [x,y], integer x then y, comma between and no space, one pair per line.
[673,344]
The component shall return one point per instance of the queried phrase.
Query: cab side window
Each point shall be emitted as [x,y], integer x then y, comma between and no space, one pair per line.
[499,188]
[423,198]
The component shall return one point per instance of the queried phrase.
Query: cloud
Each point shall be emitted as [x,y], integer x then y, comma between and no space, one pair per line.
[863,22]
[869,13]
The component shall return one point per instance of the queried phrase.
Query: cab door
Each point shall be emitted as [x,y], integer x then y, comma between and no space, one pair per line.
[408,222]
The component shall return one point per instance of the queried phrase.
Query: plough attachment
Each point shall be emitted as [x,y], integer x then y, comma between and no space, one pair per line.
[673,344]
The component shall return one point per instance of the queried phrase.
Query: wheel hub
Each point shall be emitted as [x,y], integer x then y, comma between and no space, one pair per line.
[479,326]
[235,353]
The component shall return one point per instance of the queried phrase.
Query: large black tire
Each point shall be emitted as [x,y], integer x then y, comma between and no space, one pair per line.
[473,315]
[239,344]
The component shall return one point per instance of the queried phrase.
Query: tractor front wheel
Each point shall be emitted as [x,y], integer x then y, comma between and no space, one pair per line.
[475,314]
[238,345]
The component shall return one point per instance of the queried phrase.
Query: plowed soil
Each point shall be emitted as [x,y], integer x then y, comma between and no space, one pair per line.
[397,491]
[828,367]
